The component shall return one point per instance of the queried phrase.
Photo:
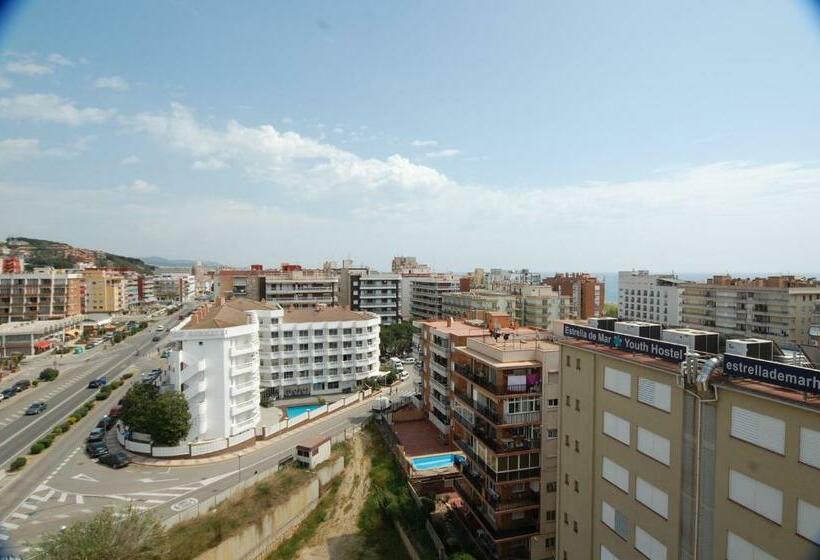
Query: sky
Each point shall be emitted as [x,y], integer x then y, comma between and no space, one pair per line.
[549,135]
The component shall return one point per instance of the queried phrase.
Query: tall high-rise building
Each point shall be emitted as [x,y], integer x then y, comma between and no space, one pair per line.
[426,294]
[586,293]
[362,289]
[778,308]
[11,265]
[174,286]
[105,291]
[655,298]
[42,294]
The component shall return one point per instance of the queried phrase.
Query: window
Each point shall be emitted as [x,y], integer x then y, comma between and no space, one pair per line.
[552,403]
[606,554]
[550,515]
[615,520]
[303,333]
[551,487]
[655,499]
[318,346]
[653,445]
[566,480]
[648,545]
[756,496]
[615,473]
[552,433]
[616,427]
[810,447]
[333,332]
[577,446]
[575,526]
[618,381]
[549,542]
[759,429]
[569,361]
[569,401]
[655,394]
[575,486]
[304,347]
[566,440]
[578,363]
[577,405]
[808,521]
[741,549]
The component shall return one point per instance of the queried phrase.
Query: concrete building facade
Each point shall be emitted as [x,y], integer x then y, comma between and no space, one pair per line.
[464,304]
[540,306]
[586,293]
[361,289]
[656,298]
[43,294]
[426,294]
[175,286]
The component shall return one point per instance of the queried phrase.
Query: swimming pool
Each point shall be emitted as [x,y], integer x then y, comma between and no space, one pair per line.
[436,461]
[294,411]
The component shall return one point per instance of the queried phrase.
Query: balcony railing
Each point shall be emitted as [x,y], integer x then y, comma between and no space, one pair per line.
[470,374]
[496,443]
[517,528]
[507,476]
[500,503]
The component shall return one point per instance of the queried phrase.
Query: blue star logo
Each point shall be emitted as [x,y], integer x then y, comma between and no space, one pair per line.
[617,340]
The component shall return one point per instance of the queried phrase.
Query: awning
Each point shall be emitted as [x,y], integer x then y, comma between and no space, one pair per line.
[42,345]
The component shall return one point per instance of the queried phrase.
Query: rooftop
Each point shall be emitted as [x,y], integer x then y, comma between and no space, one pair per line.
[325,315]
[643,359]
[455,327]
[230,313]
[38,327]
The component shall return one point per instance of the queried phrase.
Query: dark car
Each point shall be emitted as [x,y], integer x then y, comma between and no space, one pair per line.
[97,383]
[116,460]
[155,339]
[97,434]
[21,385]
[36,408]
[105,423]
[96,449]
[8,393]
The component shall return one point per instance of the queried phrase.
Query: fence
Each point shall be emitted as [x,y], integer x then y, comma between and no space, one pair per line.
[216,445]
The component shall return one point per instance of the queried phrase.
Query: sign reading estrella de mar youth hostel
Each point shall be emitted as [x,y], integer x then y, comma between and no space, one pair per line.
[637,344]
[793,377]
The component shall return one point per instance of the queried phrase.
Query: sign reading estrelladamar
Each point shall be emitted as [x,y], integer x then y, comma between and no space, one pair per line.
[784,375]
[637,344]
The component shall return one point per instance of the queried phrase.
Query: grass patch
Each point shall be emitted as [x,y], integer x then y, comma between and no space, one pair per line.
[191,538]
[308,527]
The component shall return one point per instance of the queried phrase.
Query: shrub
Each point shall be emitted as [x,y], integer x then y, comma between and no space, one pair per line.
[46,442]
[37,448]
[102,396]
[18,464]
[127,376]
[35,382]
[49,374]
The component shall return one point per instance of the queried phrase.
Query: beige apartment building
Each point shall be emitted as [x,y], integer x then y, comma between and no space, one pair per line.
[105,291]
[44,294]
[778,308]
[540,306]
[463,304]
[666,460]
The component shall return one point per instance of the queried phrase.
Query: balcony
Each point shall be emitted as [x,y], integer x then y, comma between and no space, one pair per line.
[515,528]
[239,408]
[190,390]
[467,372]
[518,500]
[242,350]
[244,388]
[240,369]
[499,477]
[499,444]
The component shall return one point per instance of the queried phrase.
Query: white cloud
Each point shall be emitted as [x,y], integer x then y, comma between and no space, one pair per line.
[138,186]
[423,143]
[50,108]
[130,160]
[59,60]
[15,149]
[445,153]
[33,65]
[28,68]
[4,83]
[210,164]
[112,82]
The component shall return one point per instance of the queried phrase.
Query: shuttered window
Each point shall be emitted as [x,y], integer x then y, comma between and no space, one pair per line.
[616,427]
[738,548]
[810,447]
[653,445]
[606,554]
[758,429]
[655,394]
[652,497]
[615,473]
[808,521]
[756,496]
[648,545]
[615,520]
[618,381]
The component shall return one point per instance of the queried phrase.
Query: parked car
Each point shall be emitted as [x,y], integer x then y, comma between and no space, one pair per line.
[156,371]
[8,393]
[97,383]
[160,328]
[36,408]
[97,434]
[21,385]
[105,423]
[155,339]
[2,397]
[408,360]
[116,410]
[116,460]
[404,375]
[165,353]
[96,449]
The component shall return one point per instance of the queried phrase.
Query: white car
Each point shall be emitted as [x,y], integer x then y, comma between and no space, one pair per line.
[410,360]
[404,375]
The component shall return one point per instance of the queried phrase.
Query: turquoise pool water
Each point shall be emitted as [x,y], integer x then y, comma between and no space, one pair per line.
[436,461]
[294,411]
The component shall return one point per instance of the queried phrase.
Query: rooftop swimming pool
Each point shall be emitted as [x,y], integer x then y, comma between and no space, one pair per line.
[436,461]
[294,411]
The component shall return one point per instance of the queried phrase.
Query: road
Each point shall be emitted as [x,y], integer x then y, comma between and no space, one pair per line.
[69,486]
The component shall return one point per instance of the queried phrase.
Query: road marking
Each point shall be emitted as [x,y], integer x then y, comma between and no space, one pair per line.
[62,498]
[8,525]
[49,495]
[184,504]
[149,480]
[84,478]
[38,498]
[61,516]
[160,494]
[154,501]
[185,488]
[28,505]
[19,515]
[79,499]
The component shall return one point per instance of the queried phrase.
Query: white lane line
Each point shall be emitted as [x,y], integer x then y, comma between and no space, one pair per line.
[154,501]
[61,516]
[3,537]
[80,500]
[19,515]
[28,505]
[160,494]
[49,495]
[9,526]
[186,488]
[63,496]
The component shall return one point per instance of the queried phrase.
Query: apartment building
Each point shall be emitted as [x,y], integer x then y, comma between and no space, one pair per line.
[12,265]
[504,406]
[539,306]
[586,293]
[408,265]
[778,308]
[43,294]
[426,294]
[361,289]
[175,286]
[464,304]
[655,298]
[667,455]
[499,278]
[318,351]
[216,366]
[145,289]
[241,282]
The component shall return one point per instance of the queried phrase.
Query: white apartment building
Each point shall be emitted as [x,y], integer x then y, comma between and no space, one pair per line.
[540,306]
[216,366]
[426,294]
[655,298]
[361,289]
[175,286]
[462,304]
[318,351]
[301,288]
[132,289]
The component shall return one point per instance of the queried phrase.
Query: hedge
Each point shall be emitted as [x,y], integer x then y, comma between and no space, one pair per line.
[37,448]
[18,464]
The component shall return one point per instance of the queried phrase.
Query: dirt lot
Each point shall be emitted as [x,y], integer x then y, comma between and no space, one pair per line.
[337,538]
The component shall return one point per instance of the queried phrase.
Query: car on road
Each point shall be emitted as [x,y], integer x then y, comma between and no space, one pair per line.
[36,408]
[116,410]
[97,434]
[408,360]
[97,383]
[165,354]
[21,385]
[116,460]
[8,393]
[155,339]
[160,328]
[96,449]
[404,375]
[106,423]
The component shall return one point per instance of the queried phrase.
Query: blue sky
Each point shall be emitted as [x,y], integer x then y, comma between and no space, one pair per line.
[551,135]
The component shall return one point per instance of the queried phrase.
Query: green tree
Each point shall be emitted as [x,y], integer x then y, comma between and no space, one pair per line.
[165,417]
[49,374]
[390,378]
[461,556]
[128,534]
[611,310]
[137,407]
[396,339]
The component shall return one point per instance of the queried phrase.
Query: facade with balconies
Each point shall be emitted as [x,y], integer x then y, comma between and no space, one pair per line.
[362,289]
[503,389]
[216,367]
